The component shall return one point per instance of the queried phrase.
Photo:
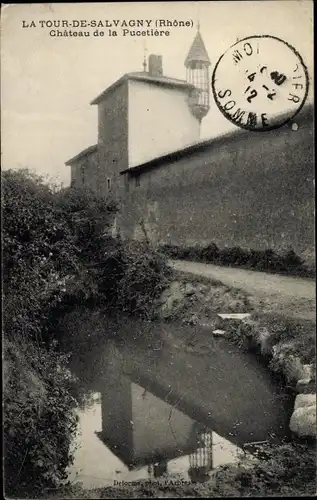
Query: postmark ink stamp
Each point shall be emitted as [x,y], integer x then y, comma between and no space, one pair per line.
[260,83]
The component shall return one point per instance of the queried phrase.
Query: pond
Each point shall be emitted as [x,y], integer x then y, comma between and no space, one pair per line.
[159,409]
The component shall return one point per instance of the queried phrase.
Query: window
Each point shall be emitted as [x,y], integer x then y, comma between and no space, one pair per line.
[196,65]
[108,183]
[73,176]
[127,180]
[198,75]
[83,174]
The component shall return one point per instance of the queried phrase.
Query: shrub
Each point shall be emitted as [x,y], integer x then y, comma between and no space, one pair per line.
[288,469]
[39,419]
[48,237]
[210,253]
[287,262]
[292,261]
[142,275]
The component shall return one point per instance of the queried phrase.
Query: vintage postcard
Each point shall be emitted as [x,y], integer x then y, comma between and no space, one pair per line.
[158,249]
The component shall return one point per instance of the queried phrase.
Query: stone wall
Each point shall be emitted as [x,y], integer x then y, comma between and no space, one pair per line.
[248,189]
[113,136]
[85,172]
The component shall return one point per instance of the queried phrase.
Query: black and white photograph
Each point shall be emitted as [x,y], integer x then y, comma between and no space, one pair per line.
[158,249]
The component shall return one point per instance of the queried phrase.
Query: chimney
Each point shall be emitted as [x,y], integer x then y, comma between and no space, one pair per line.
[155,65]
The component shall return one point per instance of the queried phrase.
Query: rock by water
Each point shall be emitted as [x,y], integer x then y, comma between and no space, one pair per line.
[303,421]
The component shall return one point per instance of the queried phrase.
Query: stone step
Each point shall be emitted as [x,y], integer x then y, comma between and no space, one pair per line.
[225,319]
[219,333]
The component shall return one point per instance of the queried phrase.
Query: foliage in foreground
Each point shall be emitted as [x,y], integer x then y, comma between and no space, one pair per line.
[132,277]
[39,418]
[45,236]
[47,239]
[52,240]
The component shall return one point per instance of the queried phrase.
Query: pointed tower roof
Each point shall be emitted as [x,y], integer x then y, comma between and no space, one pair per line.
[198,51]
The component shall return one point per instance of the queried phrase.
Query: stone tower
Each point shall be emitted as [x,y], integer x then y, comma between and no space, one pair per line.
[142,116]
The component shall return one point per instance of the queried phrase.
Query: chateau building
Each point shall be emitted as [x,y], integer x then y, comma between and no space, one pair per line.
[244,188]
[144,115]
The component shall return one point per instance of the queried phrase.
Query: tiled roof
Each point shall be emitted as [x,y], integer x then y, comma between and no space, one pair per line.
[84,152]
[198,51]
[165,80]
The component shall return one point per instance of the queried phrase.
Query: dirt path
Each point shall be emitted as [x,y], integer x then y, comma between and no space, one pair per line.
[286,295]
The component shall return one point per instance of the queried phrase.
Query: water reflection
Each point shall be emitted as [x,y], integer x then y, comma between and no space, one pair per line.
[141,427]
[129,434]
[158,409]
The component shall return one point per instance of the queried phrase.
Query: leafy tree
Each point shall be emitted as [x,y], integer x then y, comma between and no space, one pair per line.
[47,238]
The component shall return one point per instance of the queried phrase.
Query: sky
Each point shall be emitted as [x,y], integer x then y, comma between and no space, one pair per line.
[47,83]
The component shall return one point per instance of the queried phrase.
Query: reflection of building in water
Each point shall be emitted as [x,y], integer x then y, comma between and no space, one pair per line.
[158,469]
[141,428]
[200,461]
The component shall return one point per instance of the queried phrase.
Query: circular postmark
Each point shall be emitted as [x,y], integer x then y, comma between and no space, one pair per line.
[260,83]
